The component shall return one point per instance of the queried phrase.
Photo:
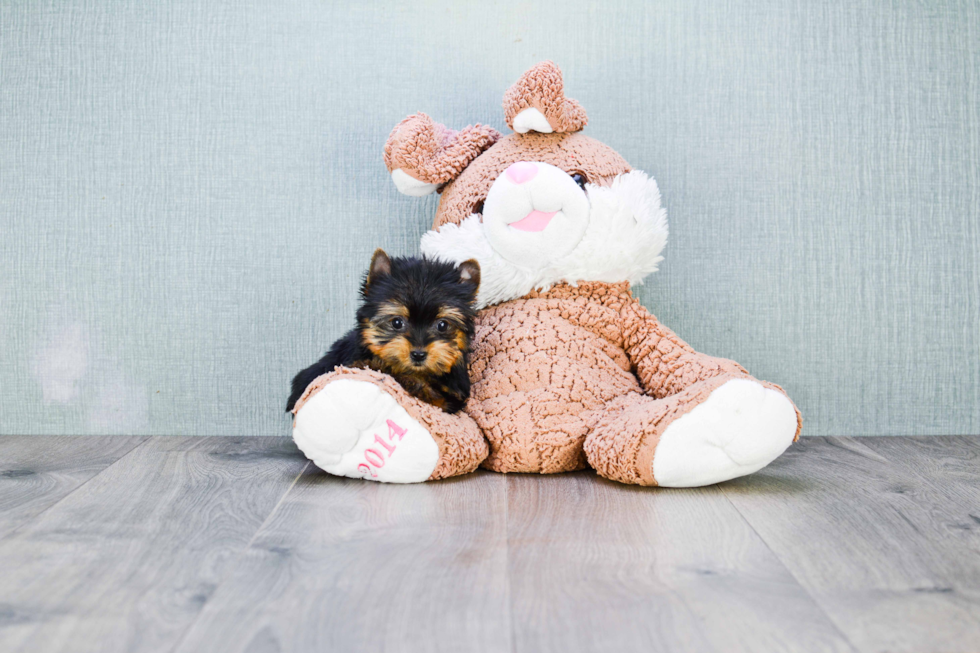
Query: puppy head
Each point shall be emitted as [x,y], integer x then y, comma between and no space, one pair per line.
[417,315]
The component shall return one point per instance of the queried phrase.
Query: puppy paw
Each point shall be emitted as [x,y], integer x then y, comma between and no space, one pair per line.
[356,429]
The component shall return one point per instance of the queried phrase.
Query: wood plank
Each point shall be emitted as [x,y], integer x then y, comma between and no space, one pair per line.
[126,562]
[891,557]
[596,565]
[951,464]
[349,565]
[37,472]
[884,533]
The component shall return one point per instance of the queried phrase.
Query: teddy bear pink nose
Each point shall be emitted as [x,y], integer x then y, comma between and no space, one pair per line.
[522,171]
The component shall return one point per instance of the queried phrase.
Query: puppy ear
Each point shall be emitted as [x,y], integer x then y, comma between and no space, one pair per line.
[421,154]
[380,267]
[537,102]
[469,273]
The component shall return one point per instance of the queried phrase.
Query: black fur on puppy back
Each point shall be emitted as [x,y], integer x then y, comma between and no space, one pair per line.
[435,303]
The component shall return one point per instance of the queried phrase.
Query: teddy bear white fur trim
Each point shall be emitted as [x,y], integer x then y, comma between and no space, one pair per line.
[627,230]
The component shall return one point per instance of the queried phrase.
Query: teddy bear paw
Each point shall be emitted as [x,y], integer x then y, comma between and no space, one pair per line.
[740,428]
[356,429]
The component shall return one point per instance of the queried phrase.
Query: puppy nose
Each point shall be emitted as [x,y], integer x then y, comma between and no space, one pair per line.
[418,356]
[521,172]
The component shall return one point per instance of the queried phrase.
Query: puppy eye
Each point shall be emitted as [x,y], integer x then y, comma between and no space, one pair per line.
[477,208]
[441,326]
[580,179]
[397,323]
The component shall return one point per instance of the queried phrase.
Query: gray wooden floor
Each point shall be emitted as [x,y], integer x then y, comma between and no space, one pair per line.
[237,544]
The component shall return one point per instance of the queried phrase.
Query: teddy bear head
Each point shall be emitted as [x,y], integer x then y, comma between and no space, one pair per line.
[543,205]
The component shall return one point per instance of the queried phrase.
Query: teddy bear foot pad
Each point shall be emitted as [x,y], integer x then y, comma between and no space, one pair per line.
[739,429]
[356,429]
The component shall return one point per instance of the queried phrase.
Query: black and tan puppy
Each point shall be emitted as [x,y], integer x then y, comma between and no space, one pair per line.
[415,323]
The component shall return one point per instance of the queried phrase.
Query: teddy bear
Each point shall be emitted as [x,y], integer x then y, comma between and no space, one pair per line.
[569,371]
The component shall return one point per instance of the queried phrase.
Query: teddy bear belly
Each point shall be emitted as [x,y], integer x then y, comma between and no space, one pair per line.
[526,350]
[540,383]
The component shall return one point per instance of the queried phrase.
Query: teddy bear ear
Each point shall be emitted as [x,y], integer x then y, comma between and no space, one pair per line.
[421,154]
[537,102]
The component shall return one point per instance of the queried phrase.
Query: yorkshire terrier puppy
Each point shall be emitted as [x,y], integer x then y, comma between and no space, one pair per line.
[414,323]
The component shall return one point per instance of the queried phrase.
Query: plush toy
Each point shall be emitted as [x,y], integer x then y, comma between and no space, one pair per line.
[568,369]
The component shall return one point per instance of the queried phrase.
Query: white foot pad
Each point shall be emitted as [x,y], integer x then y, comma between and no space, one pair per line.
[356,429]
[740,428]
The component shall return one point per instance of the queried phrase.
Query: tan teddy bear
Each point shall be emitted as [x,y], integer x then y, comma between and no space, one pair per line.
[568,369]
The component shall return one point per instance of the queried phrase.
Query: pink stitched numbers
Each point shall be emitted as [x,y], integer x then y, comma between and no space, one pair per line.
[374,457]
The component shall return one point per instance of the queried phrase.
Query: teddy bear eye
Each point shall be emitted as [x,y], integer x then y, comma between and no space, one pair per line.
[477,208]
[580,179]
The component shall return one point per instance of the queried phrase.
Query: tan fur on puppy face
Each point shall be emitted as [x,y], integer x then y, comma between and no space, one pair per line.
[379,342]
[391,309]
[453,316]
[450,313]
[395,352]
[442,356]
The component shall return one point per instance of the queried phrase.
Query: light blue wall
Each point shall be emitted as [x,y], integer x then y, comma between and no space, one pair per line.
[190,190]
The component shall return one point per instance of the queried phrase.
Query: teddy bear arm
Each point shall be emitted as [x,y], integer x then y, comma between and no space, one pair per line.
[362,423]
[663,363]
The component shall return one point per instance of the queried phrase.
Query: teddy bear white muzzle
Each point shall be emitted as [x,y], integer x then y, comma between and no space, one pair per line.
[535,213]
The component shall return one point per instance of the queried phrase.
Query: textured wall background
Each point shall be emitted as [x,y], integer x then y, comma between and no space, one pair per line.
[189,191]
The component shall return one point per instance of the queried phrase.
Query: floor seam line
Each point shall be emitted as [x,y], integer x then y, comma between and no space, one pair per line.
[789,571]
[137,445]
[246,547]
[510,593]
[275,508]
[912,470]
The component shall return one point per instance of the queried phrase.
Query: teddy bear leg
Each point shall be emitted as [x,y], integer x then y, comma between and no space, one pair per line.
[712,431]
[362,424]
[538,432]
